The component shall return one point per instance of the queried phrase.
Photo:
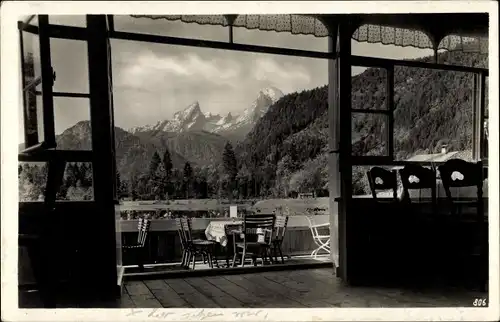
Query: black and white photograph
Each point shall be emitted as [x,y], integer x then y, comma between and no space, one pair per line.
[227,163]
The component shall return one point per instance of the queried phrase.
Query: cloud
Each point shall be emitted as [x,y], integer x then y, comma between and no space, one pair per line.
[287,75]
[149,69]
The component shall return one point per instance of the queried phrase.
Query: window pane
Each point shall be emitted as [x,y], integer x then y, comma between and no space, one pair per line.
[77,182]
[282,100]
[486,97]
[68,20]
[31,57]
[369,89]
[460,58]
[32,180]
[369,134]
[433,114]
[484,148]
[76,186]
[163,27]
[272,38]
[70,62]
[32,21]
[72,123]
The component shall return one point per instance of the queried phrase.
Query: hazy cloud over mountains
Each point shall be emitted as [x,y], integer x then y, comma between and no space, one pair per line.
[153,81]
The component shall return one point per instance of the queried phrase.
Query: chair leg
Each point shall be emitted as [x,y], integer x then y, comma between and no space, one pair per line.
[243,257]
[254,260]
[265,256]
[140,259]
[188,258]
[275,251]
[203,257]
[281,254]
[270,255]
[194,260]
[183,261]
[234,258]
[210,263]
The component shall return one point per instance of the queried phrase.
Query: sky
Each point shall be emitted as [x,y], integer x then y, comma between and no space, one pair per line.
[153,81]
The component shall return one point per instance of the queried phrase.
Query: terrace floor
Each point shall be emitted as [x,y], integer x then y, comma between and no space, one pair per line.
[300,288]
[281,289]
[172,270]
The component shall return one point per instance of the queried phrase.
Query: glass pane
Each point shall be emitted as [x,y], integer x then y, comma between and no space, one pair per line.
[32,180]
[72,123]
[32,117]
[460,58]
[369,134]
[70,62]
[369,89]
[68,20]
[282,99]
[31,19]
[486,97]
[433,114]
[31,57]
[77,182]
[39,118]
[163,27]
[279,39]
[484,148]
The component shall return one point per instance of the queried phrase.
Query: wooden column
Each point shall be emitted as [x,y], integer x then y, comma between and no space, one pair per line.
[333,143]
[102,223]
[344,88]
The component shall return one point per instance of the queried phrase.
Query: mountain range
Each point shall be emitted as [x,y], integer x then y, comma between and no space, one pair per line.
[191,135]
[192,119]
[281,141]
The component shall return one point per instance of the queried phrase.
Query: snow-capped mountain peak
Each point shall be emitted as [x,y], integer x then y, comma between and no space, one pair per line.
[272,92]
[192,118]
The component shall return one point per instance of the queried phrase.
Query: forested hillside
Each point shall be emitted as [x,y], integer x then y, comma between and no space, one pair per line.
[288,146]
[286,151]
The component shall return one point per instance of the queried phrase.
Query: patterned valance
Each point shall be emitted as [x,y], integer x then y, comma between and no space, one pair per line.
[311,25]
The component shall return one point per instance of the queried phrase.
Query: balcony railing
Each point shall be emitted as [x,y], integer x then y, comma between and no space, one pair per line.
[163,244]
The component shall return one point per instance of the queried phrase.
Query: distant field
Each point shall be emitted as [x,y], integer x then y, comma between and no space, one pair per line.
[296,206]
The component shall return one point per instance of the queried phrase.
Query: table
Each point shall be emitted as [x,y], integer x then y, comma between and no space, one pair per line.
[220,230]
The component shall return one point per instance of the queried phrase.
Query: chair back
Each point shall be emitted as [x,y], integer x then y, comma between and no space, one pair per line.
[280,228]
[416,177]
[258,228]
[143,227]
[382,179]
[457,173]
[181,232]
[186,227]
[313,226]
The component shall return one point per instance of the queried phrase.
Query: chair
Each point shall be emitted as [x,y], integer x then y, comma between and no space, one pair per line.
[183,241]
[201,247]
[322,241]
[382,179]
[255,236]
[138,248]
[457,173]
[416,177]
[279,234]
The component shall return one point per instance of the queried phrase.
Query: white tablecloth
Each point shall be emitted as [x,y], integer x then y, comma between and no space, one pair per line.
[219,230]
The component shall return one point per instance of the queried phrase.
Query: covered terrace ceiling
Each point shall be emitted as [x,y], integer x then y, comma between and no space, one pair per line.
[454,31]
